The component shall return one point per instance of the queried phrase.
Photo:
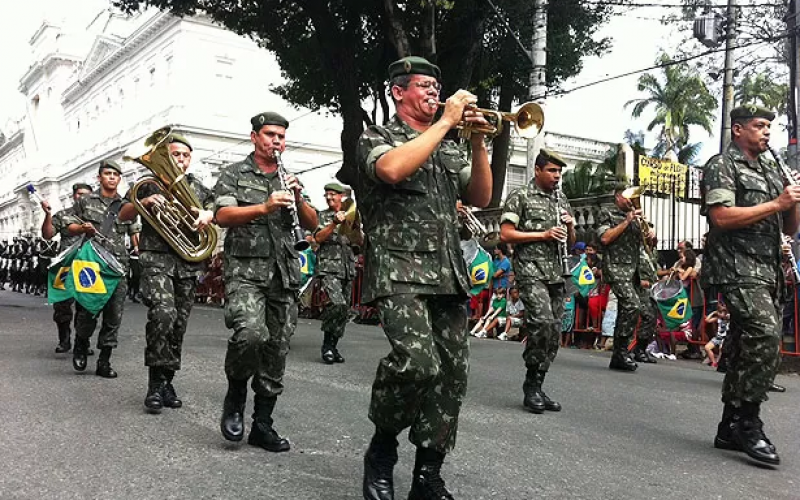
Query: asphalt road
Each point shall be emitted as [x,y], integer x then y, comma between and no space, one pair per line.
[65,435]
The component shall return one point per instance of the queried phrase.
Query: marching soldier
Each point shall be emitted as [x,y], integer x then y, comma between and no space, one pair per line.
[407,186]
[336,268]
[58,224]
[262,277]
[168,284]
[531,221]
[628,268]
[748,207]
[96,214]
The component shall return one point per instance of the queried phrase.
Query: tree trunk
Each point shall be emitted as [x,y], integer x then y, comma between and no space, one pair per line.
[428,30]
[338,59]
[395,32]
[465,34]
[502,144]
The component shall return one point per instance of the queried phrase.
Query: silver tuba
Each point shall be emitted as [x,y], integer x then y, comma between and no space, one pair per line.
[173,220]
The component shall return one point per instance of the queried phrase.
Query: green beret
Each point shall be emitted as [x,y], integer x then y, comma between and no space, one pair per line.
[334,186]
[79,185]
[109,164]
[268,118]
[414,65]
[750,111]
[179,138]
[550,157]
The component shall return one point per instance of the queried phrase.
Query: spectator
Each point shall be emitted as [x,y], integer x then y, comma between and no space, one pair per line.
[721,317]
[515,315]
[579,248]
[609,319]
[496,314]
[502,266]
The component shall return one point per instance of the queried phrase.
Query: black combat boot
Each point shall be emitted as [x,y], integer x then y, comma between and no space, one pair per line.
[776,388]
[531,388]
[327,349]
[621,361]
[549,404]
[104,364]
[644,356]
[379,462]
[168,394]
[427,483]
[262,433]
[724,438]
[79,354]
[337,358]
[153,401]
[748,432]
[232,422]
[64,344]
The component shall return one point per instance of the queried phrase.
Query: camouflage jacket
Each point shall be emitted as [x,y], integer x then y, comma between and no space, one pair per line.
[92,208]
[61,222]
[750,255]
[626,255]
[411,240]
[532,209]
[254,250]
[335,255]
[150,240]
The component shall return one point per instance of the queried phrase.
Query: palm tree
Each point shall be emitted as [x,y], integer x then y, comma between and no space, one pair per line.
[588,180]
[680,99]
[762,89]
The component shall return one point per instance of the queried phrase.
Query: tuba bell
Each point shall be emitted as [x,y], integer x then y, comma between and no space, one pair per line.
[172,220]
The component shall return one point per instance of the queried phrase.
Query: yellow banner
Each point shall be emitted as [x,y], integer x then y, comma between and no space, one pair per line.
[662,176]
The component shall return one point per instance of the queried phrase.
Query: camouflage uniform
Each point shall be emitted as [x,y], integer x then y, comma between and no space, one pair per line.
[62,311]
[416,277]
[262,276]
[168,285]
[537,268]
[745,266]
[625,265]
[336,268]
[92,208]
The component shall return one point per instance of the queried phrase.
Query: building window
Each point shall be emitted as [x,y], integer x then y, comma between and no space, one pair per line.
[515,177]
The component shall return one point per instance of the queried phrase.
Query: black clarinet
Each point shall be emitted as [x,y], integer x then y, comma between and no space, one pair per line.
[300,242]
[786,173]
[562,245]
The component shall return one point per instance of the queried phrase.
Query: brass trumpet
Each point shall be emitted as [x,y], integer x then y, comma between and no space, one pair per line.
[528,121]
[476,227]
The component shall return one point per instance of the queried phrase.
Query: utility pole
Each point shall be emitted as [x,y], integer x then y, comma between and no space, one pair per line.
[794,63]
[727,85]
[538,83]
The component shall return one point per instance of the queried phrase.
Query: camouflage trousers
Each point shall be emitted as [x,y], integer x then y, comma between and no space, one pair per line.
[633,303]
[423,380]
[544,307]
[168,285]
[337,311]
[263,317]
[752,345]
[62,312]
[85,323]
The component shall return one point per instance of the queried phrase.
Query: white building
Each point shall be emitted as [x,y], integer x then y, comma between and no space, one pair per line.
[94,91]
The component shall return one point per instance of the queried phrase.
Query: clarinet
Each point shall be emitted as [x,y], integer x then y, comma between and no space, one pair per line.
[300,242]
[562,245]
[788,178]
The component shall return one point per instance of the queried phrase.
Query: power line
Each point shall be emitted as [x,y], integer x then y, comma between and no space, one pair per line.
[621,3]
[656,66]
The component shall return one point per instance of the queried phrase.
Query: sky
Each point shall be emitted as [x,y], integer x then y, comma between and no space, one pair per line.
[595,112]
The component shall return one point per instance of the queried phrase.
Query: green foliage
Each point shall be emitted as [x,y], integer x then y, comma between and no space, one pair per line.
[680,99]
[762,89]
[587,179]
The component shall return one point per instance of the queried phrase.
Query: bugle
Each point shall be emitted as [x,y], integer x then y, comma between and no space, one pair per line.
[528,121]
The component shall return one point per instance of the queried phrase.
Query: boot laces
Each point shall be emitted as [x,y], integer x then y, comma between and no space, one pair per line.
[433,480]
[169,391]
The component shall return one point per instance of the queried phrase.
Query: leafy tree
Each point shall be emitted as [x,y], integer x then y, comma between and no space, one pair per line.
[762,89]
[589,180]
[680,99]
[334,53]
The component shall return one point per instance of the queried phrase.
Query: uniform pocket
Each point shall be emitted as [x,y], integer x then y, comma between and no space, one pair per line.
[414,254]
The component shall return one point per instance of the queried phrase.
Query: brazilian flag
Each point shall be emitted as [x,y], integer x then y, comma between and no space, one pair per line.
[583,277]
[480,272]
[87,273]
[307,264]
[675,310]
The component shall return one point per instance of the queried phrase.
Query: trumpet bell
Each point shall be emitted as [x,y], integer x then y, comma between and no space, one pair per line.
[632,192]
[529,120]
